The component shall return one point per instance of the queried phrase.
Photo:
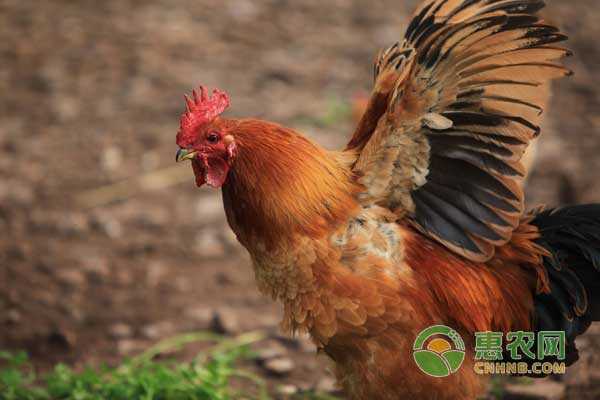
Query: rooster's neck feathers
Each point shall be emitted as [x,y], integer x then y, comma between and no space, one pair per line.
[282,185]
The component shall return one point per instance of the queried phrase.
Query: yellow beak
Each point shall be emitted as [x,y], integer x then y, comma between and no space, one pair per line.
[185,154]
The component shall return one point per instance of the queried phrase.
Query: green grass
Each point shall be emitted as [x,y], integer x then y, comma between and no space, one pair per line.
[208,377]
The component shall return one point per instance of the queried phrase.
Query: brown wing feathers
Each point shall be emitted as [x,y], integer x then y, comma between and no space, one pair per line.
[491,128]
[476,56]
[484,65]
[391,66]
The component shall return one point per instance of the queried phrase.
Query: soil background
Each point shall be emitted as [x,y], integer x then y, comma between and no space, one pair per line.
[90,96]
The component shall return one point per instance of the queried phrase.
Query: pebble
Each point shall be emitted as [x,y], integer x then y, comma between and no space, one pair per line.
[182,284]
[226,321]
[130,346]
[281,366]
[305,343]
[120,330]
[71,277]
[202,316]
[61,339]
[156,272]
[112,158]
[242,10]
[269,350]
[158,330]
[72,224]
[287,390]
[326,385]
[108,226]
[13,316]
[16,192]
[96,267]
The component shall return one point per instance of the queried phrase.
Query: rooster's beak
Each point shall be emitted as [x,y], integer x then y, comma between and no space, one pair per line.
[185,154]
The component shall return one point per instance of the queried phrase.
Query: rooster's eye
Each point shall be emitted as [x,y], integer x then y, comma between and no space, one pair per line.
[213,138]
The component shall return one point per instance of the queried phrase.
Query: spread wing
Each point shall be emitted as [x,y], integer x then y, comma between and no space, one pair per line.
[453,109]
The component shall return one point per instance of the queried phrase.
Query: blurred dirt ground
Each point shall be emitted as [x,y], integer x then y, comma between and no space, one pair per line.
[91,93]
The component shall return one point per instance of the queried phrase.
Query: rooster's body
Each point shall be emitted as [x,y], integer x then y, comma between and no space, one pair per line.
[419,221]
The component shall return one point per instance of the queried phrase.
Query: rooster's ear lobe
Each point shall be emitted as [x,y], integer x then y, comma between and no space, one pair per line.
[228,139]
[231,147]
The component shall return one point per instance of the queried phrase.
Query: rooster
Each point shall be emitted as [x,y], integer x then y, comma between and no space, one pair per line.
[420,219]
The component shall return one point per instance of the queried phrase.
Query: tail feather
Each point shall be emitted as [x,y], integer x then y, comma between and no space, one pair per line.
[572,237]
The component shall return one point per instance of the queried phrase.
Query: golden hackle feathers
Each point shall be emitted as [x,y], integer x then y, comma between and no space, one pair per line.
[277,166]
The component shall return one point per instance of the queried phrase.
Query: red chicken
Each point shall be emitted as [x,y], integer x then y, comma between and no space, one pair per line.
[420,219]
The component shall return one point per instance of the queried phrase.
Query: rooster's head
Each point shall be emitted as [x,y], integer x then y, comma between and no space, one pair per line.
[203,137]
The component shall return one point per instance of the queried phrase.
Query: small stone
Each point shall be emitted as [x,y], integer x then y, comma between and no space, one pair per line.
[279,366]
[120,330]
[202,316]
[326,385]
[113,228]
[76,312]
[96,267]
[112,158]
[158,330]
[108,225]
[287,390]
[130,346]
[226,321]
[182,284]
[13,316]
[71,277]
[156,273]
[16,192]
[61,339]
[72,224]
[270,349]
[243,10]
[305,343]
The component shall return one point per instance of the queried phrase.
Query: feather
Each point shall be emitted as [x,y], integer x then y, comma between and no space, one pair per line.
[462,109]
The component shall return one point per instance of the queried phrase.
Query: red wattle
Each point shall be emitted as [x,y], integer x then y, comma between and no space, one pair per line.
[198,171]
[216,172]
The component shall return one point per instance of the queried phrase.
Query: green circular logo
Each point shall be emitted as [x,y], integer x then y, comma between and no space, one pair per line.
[439,351]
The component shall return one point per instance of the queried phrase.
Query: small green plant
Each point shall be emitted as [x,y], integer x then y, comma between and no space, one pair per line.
[206,378]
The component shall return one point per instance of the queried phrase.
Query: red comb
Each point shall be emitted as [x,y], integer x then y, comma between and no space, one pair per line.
[200,111]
